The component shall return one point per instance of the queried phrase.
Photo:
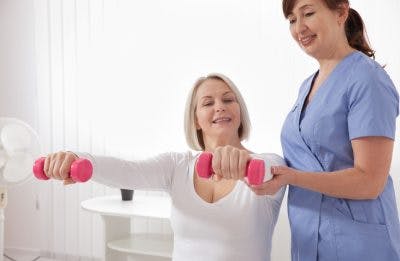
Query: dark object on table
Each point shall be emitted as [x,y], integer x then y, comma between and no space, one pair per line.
[126,194]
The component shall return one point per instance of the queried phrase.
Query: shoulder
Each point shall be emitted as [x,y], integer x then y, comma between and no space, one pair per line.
[366,70]
[271,158]
[369,77]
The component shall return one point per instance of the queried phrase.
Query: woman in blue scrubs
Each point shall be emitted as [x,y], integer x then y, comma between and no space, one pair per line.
[338,142]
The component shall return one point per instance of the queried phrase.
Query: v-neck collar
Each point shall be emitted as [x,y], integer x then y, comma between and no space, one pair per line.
[321,88]
[200,199]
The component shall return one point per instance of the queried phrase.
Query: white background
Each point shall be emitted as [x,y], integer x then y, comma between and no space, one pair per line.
[112,77]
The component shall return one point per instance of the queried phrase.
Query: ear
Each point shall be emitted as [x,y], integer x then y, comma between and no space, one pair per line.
[343,13]
[197,124]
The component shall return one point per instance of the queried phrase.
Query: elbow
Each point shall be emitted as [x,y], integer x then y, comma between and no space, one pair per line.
[372,196]
[375,189]
[376,192]
[371,183]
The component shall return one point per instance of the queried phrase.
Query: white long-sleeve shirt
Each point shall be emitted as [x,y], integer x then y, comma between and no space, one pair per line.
[238,226]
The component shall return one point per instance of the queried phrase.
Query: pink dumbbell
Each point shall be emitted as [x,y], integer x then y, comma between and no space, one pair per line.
[81,170]
[255,169]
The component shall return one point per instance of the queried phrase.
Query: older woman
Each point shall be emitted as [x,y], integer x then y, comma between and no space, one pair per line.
[211,219]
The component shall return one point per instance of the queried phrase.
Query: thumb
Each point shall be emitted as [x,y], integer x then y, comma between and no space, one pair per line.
[276,170]
[216,177]
[68,181]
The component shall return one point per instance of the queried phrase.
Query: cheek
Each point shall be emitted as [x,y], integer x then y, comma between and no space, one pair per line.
[200,118]
[293,33]
[237,113]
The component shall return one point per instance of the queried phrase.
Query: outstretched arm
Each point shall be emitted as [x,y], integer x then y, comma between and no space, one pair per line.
[155,173]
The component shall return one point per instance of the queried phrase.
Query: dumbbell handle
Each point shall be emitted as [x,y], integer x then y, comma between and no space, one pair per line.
[81,170]
[255,169]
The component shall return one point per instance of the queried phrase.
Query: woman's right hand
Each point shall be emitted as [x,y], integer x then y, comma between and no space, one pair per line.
[230,162]
[58,165]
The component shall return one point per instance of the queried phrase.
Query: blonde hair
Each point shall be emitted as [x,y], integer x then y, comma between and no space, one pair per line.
[194,137]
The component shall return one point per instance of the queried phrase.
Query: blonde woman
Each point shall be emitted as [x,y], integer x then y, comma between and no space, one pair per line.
[212,219]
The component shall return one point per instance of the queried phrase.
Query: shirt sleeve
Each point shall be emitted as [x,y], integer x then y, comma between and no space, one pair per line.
[373,106]
[155,173]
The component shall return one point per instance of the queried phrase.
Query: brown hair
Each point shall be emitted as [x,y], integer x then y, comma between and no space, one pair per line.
[354,26]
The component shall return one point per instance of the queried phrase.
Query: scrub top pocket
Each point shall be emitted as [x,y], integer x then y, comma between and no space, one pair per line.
[360,241]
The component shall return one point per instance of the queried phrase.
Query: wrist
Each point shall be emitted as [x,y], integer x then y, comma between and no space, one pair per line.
[292,178]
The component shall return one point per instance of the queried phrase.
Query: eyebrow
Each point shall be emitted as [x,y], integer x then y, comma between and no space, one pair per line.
[207,96]
[302,7]
[305,6]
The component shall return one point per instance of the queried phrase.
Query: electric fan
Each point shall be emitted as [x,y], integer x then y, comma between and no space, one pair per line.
[19,146]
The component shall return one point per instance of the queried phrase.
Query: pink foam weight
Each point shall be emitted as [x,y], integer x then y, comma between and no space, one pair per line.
[81,170]
[203,165]
[38,169]
[255,170]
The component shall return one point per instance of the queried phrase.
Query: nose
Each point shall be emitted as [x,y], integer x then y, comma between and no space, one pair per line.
[300,26]
[220,106]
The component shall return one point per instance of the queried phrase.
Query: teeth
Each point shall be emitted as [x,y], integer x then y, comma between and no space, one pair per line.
[305,40]
[221,119]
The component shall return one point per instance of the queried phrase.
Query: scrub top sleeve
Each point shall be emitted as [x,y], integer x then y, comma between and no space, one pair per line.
[373,108]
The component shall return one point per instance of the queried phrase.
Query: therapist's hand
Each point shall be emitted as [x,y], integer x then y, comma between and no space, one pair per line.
[282,176]
[229,163]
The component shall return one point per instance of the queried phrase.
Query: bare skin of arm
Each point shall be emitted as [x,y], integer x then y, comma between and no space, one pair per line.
[366,180]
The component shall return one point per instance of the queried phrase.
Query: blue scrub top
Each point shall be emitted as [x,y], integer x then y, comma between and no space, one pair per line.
[358,99]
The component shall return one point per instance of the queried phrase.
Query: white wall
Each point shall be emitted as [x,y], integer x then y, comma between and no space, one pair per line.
[253,47]
[18,99]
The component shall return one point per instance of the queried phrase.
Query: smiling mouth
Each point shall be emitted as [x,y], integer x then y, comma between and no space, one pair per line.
[222,119]
[305,41]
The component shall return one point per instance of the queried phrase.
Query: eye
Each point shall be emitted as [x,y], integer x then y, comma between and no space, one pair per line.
[228,100]
[308,14]
[208,103]
[292,21]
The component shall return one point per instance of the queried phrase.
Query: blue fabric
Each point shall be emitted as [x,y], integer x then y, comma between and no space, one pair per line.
[358,99]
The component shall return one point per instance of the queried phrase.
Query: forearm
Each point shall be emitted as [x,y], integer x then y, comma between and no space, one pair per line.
[349,183]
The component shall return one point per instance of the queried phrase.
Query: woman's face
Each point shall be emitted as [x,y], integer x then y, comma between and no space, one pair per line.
[318,30]
[217,111]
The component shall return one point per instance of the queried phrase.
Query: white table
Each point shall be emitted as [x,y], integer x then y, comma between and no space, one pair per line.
[119,243]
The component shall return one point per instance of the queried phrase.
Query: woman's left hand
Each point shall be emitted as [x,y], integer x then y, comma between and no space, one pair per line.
[282,176]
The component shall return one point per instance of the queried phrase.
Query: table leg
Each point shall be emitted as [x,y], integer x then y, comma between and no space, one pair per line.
[115,228]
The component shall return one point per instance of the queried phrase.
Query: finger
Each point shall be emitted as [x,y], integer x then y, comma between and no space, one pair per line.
[47,165]
[244,157]
[217,178]
[234,164]
[216,161]
[259,192]
[225,162]
[264,190]
[278,170]
[51,165]
[65,167]
[264,186]
[68,181]
[57,165]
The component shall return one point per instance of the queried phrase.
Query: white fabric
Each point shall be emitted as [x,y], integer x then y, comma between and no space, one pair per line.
[239,226]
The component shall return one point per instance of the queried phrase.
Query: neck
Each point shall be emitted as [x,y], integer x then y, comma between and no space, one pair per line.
[328,62]
[212,144]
